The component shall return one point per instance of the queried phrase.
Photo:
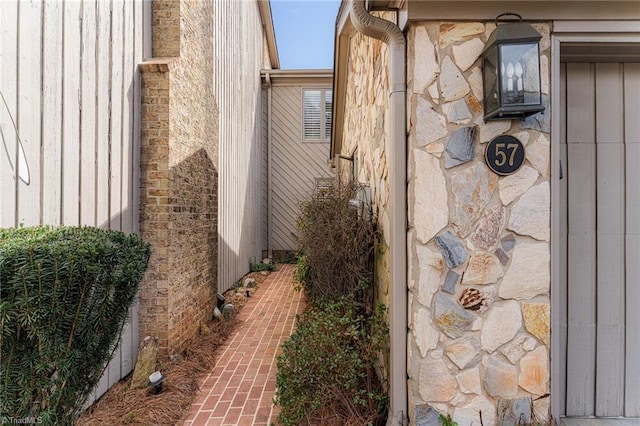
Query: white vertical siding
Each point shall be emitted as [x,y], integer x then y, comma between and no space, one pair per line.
[28,114]
[141,39]
[71,85]
[71,107]
[10,148]
[103,89]
[88,115]
[238,47]
[53,108]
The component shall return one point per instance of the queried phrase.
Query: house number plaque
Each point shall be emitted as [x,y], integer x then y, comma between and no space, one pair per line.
[504,155]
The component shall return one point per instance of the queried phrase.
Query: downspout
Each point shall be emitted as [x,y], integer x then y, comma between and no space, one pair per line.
[393,37]
[267,79]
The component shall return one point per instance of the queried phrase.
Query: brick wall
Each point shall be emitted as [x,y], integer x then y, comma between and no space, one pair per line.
[166,32]
[154,199]
[179,173]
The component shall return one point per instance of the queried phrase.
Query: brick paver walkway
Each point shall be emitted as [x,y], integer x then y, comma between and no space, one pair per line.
[241,387]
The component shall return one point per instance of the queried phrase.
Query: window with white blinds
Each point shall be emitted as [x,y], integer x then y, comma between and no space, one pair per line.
[316,115]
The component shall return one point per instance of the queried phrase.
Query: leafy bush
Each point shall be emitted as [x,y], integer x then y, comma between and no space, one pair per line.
[64,298]
[255,266]
[327,367]
[327,370]
[447,420]
[337,243]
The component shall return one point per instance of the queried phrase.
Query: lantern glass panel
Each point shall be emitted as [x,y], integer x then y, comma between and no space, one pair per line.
[490,70]
[519,74]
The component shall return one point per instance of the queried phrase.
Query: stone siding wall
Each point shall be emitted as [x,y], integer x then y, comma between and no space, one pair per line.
[366,106]
[479,254]
[367,103]
[179,174]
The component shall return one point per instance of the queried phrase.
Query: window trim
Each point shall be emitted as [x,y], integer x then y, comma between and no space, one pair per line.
[325,133]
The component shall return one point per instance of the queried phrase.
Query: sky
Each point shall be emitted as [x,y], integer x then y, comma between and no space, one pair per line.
[304,32]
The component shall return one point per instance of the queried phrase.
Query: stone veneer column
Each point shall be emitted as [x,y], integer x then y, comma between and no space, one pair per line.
[479,254]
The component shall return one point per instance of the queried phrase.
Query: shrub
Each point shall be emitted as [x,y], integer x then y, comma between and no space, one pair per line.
[327,367]
[336,242]
[64,298]
[257,266]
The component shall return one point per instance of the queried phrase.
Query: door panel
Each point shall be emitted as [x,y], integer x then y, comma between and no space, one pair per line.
[581,240]
[600,240]
[562,244]
[610,280]
[632,238]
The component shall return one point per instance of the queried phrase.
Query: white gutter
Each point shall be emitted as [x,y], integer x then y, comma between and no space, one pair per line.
[302,73]
[391,35]
[319,77]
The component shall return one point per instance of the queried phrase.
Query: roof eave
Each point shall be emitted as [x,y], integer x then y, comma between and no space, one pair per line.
[264,7]
[385,4]
[280,77]
[343,33]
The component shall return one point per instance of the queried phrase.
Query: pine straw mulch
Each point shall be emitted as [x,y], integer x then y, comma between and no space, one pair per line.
[122,405]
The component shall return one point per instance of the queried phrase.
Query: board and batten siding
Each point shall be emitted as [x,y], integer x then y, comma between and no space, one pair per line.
[295,164]
[238,44]
[600,322]
[69,117]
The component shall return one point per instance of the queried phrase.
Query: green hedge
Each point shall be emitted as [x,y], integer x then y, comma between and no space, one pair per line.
[327,367]
[64,299]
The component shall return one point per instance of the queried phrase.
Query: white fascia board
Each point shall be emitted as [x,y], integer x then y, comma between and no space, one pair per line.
[547,10]
[597,26]
[344,30]
[311,77]
[264,6]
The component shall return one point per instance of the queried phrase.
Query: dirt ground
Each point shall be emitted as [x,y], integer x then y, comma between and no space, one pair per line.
[122,405]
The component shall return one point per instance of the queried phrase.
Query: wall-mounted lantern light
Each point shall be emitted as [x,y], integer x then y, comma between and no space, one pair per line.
[511,71]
